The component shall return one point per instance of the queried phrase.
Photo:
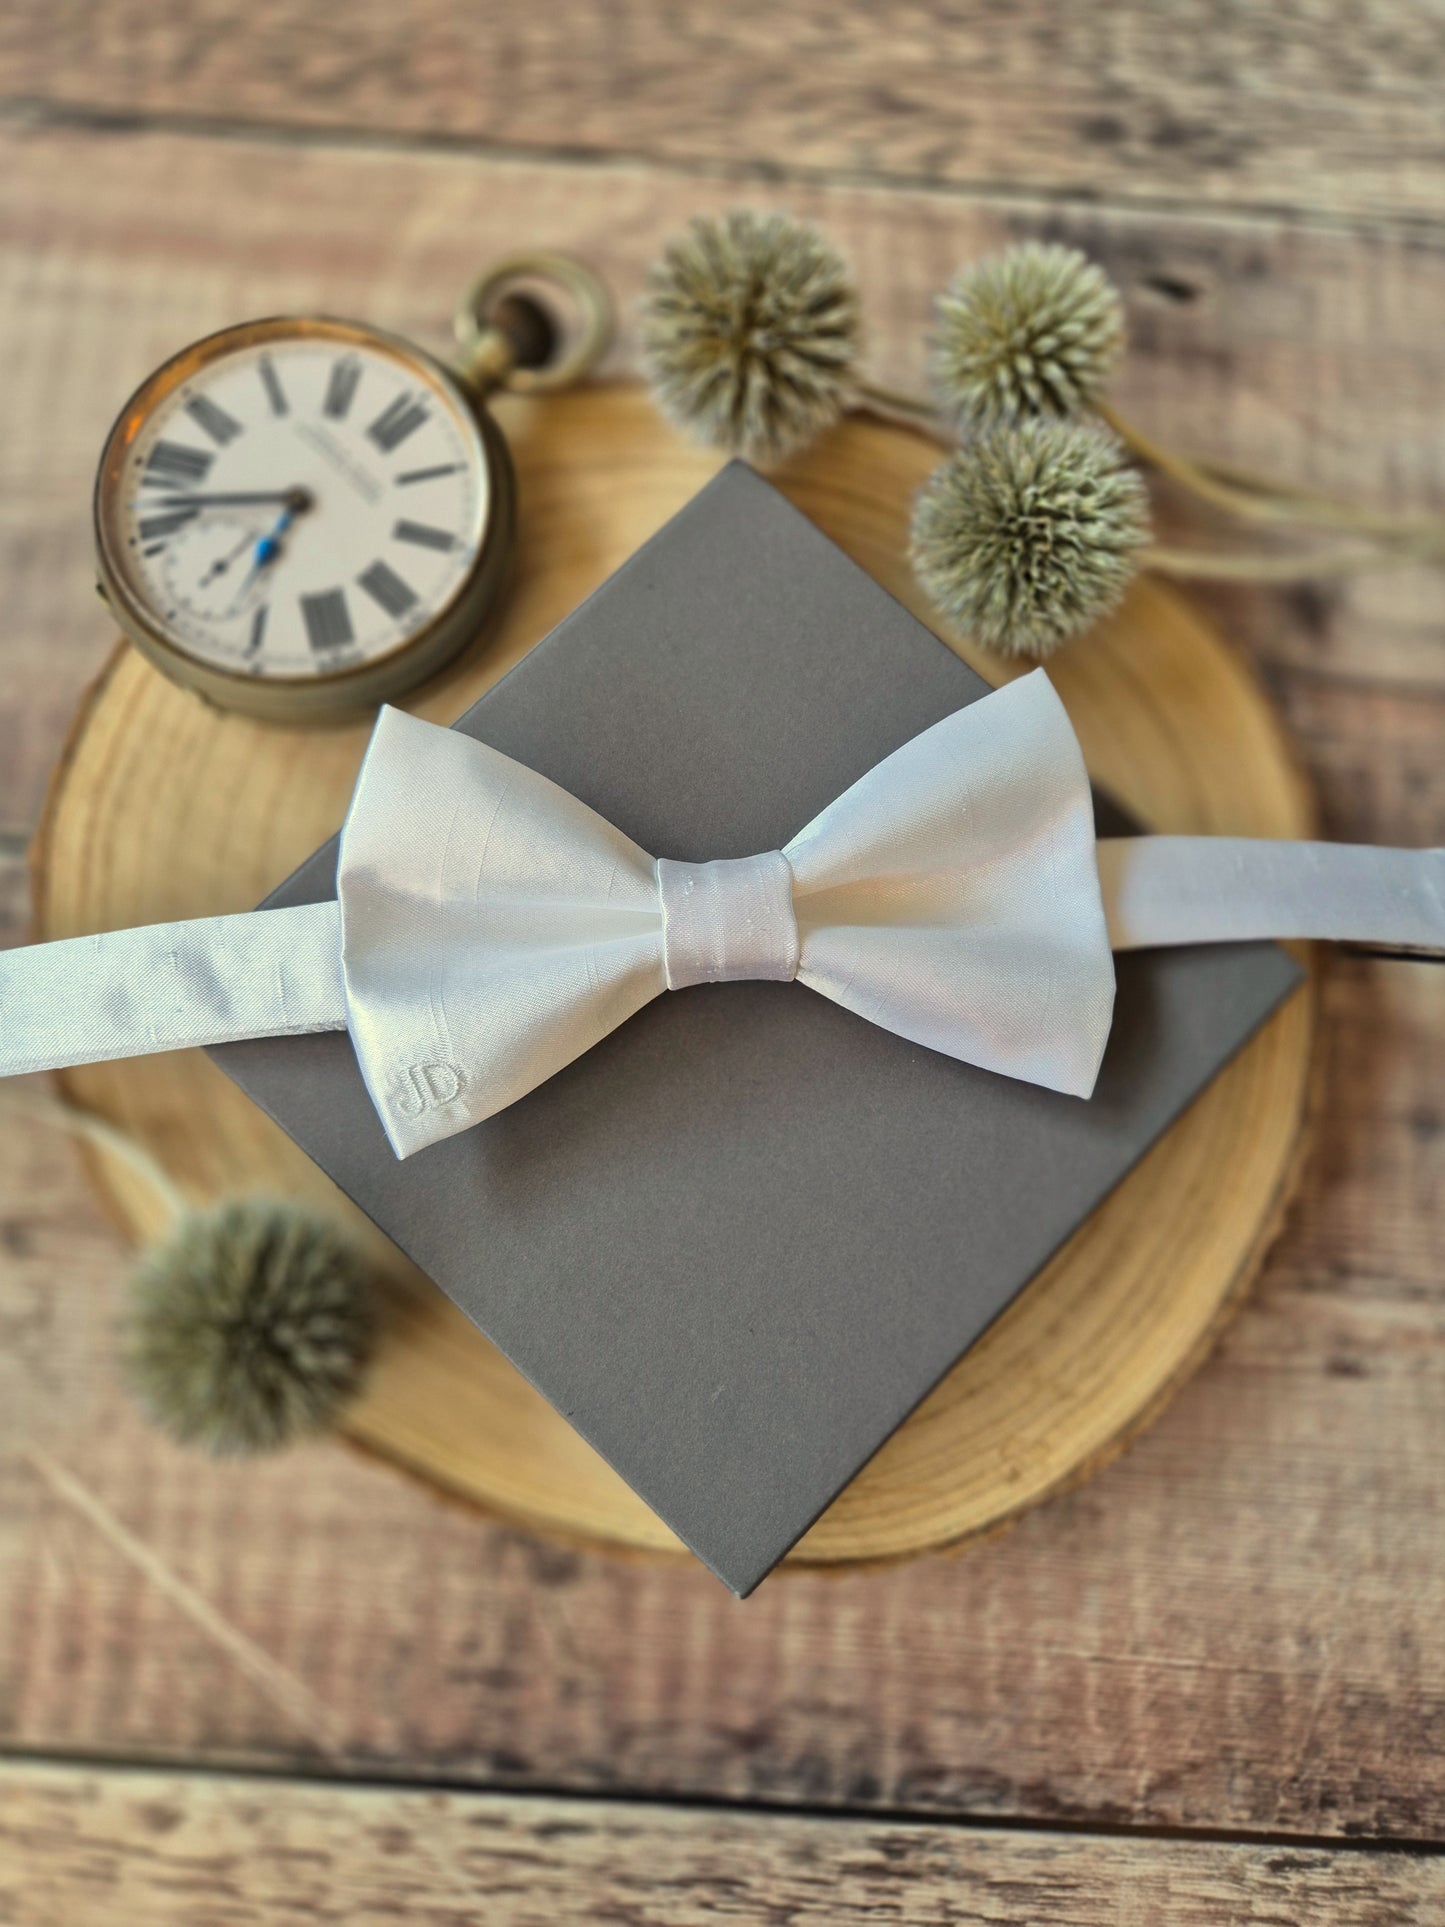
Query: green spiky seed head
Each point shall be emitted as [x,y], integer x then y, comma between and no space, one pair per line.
[251,1326]
[750,333]
[1027,535]
[1036,330]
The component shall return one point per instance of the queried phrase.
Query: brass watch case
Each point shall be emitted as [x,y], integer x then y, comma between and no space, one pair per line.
[345,692]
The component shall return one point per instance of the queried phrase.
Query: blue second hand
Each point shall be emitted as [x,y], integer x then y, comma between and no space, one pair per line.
[267,549]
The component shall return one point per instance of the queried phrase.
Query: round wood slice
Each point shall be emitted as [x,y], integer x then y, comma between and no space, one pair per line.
[164,808]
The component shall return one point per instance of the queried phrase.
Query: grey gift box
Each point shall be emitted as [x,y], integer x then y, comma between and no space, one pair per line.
[741,1239]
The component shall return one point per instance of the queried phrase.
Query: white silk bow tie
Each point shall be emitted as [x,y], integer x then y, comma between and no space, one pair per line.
[490,928]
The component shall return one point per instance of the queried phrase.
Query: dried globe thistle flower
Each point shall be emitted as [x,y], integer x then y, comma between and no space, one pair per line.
[1036,330]
[750,332]
[1029,534]
[250,1326]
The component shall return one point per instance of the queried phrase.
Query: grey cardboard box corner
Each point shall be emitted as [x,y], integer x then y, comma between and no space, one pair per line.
[739,1241]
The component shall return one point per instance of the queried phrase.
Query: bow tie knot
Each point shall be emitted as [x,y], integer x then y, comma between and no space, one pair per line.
[725,921]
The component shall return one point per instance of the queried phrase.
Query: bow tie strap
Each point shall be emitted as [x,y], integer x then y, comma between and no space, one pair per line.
[168,986]
[1167,890]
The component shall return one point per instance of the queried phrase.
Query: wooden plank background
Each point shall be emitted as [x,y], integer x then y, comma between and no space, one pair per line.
[239,1852]
[1321,105]
[1238,1630]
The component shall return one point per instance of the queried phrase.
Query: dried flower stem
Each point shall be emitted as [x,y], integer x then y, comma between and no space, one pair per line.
[874,395]
[62,1116]
[1253,497]
[1221,565]
[1259,498]
[1241,491]
[1308,508]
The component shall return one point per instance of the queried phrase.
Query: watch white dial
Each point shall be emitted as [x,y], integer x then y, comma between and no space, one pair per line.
[301,507]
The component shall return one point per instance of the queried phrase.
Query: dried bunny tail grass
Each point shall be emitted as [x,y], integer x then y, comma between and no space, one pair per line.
[1034,331]
[252,1325]
[1029,534]
[751,333]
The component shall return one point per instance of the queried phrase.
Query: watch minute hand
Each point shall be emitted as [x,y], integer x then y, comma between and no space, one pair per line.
[296,500]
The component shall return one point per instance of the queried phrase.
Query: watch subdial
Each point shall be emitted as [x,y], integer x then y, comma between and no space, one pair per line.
[209,569]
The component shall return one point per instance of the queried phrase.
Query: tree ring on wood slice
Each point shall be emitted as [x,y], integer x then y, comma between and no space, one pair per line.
[163,808]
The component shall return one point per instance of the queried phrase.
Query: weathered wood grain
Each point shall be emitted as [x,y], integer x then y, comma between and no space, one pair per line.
[1331,107]
[1377,757]
[92,1848]
[1239,1625]
[1314,353]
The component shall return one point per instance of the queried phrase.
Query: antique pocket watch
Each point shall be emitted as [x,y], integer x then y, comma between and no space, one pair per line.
[302,517]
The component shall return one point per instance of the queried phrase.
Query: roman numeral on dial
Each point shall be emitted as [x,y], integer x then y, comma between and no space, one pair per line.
[386,588]
[155,528]
[258,629]
[271,382]
[429,474]
[327,620]
[341,388]
[171,463]
[396,421]
[213,420]
[423,535]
